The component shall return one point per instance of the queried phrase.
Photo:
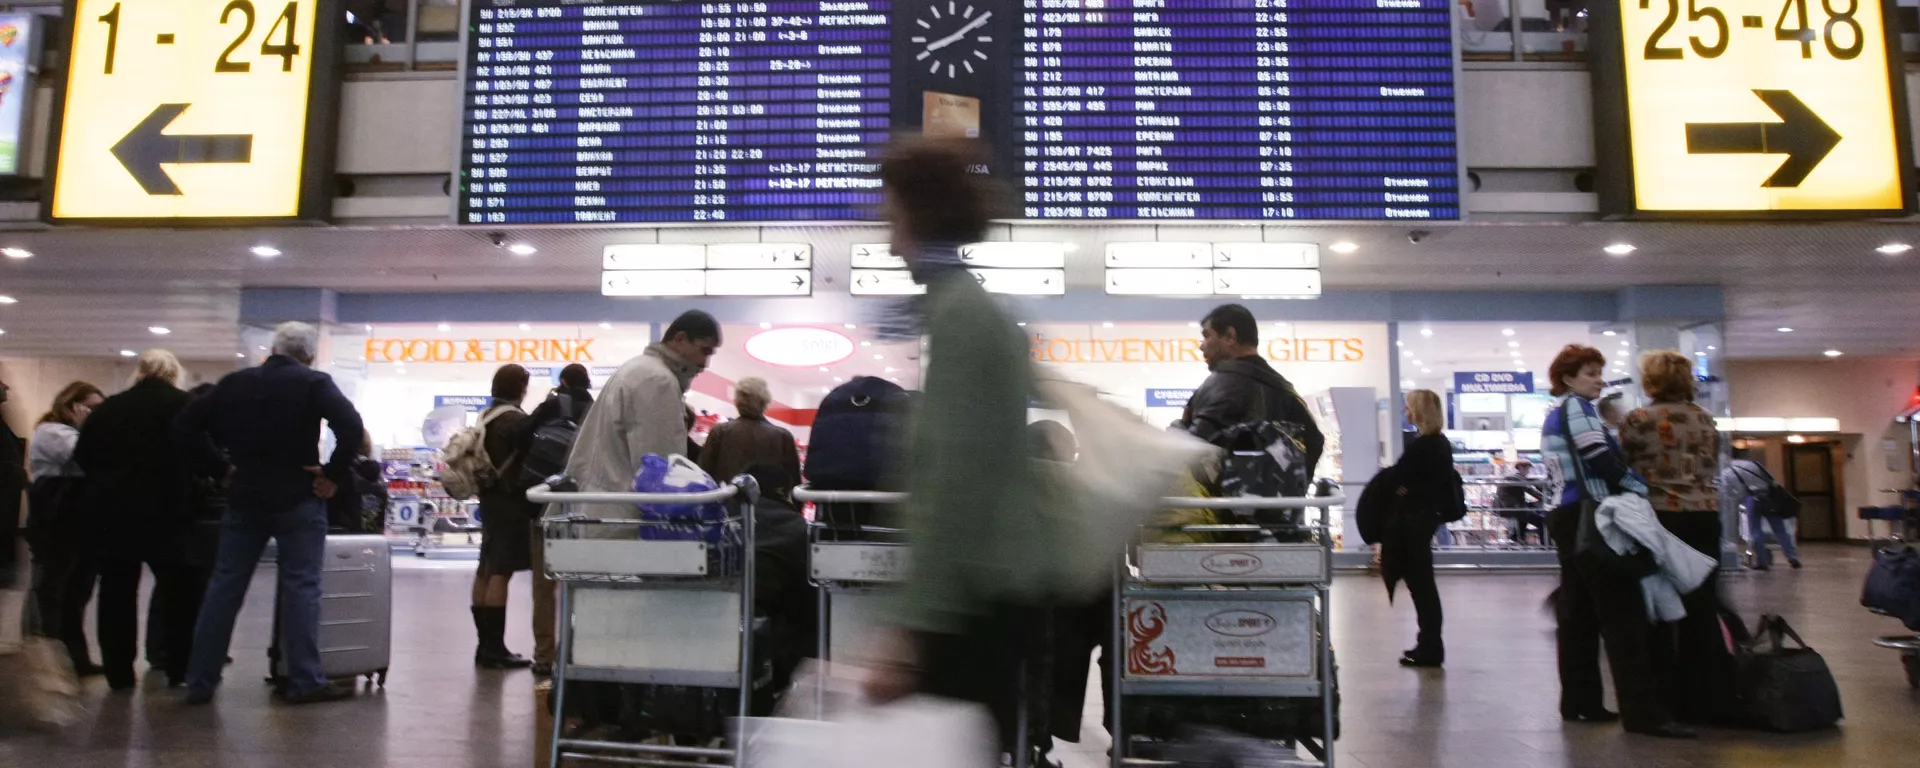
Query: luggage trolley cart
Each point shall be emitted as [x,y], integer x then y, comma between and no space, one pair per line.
[1245,620]
[851,572]
[649,612]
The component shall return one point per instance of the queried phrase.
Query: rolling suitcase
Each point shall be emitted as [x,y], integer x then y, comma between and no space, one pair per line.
[356,612]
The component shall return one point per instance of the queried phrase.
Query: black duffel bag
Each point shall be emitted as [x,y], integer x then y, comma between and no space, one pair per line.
[1786,689]
[1893,584]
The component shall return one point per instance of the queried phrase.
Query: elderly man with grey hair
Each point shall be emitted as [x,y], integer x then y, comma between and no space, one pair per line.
[736,445]
[260,429]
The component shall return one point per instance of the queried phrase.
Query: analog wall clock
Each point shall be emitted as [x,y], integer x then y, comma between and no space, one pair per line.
[956,36]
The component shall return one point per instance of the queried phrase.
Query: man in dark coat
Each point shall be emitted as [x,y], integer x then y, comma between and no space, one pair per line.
[1243,386]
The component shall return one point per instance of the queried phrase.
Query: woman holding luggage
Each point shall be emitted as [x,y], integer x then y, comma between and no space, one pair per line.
[1674,446]
[1594,600]
[64,572]
[1425,500]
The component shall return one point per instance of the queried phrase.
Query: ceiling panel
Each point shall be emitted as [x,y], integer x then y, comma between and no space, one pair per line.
[90,292]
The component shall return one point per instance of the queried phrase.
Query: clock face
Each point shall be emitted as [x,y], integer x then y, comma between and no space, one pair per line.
[955,36]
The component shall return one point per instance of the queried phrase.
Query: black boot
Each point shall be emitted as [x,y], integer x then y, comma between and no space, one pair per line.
[491,624]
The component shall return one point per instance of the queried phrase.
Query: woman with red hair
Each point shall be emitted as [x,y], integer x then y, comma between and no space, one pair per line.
[1585,463]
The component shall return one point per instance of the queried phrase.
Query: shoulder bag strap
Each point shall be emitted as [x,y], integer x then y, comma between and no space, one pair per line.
[1573,451]
[566,404]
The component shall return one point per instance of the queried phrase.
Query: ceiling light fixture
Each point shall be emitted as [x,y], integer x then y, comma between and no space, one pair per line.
[241,355]
[1344,246]
[525,327]
[766,326]
[265,251]
[866,343]
[8,300]
[1513,344]
[850,326]
[16,253]
[1699,354]
[838,380]
[1426,370]
[1609,333]
[1506,331]
[1784,329]
[891,369]
[1106,325]
[608,326]
[1417,362]
[126,353]
[1619,249]
[444,327]
[522,249]
[1833,353]
[1890,249]
[823,369]
[1712,348]
[879,357]
[159,330]
[1428,332]
[1406,383]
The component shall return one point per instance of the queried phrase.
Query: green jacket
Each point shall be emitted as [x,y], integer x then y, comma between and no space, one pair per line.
[976,539]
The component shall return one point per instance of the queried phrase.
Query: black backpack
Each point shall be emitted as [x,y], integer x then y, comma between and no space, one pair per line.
[854,434]
[546,455]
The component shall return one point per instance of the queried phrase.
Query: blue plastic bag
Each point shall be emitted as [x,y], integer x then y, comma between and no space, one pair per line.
[687,522]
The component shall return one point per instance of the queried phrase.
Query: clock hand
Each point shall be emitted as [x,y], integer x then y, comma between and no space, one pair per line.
[955,37]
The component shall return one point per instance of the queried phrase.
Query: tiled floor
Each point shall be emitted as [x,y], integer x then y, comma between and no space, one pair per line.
[1492,707]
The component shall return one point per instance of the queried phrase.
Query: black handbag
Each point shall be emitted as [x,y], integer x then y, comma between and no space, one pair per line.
[1893,584]
[1786,689]
[1588,544]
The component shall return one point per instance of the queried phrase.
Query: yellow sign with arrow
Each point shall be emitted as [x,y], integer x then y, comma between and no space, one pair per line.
[187,109]
[1761,106]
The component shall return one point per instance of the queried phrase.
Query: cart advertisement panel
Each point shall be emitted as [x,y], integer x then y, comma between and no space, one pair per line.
[1220,638]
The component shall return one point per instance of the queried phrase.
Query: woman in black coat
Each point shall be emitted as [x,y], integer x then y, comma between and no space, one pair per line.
[1427,498]
[137,492]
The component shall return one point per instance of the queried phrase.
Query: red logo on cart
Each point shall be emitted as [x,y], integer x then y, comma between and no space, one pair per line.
[1240,623]
[1239,662]
[1231,563]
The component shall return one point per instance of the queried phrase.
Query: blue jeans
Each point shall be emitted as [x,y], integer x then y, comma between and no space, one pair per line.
[1756,527]
[299,524]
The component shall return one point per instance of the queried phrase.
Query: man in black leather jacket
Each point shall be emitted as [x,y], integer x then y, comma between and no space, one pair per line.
[1244,387]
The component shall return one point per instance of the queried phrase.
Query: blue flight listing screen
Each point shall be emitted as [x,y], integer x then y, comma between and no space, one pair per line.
[653,112]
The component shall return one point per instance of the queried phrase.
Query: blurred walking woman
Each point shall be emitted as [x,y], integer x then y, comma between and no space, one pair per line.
[1594,601]
[1674,445]
[1425,501]
[64,572]
[137,494]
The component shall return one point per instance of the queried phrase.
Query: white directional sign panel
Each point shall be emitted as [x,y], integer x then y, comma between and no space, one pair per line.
[885,282]
[1159,255]
[1023,282]
[653,256]
[760,282]
[1222,269]
[1267,255]
[876,256]
[1267,282]
[1160,282]
[654,282]
[721,269]
[760,256]
[1015,255]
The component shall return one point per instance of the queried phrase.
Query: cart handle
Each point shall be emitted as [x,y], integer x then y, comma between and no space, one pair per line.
[805,493]
[539,494]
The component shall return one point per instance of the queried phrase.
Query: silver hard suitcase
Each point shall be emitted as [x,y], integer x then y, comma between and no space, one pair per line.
[356,611]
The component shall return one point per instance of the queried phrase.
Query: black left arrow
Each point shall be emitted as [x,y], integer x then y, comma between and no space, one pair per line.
[146,147]
[1801,135]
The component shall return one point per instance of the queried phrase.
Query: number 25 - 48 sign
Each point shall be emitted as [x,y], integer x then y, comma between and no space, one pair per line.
[192,109]
[1759,106]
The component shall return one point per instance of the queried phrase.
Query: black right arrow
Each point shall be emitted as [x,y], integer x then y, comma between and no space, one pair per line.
[1801,135]
[145,147]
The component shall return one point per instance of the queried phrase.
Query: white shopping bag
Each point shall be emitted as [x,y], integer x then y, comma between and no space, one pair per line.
[916,732]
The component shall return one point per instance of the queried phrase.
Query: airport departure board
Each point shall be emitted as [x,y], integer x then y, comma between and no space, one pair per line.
[581,112]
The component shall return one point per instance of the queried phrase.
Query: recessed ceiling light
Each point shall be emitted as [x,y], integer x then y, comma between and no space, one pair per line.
[1609,333]
[1784,329]
[838,380]
[1506,331]
[1406,383]
[445,327]
[265,251]
[1426,370]
[1426,331]
[1106,325]
[8,300]
[1699,354]
[1833,353]
[823,369]
[1619,249]
[891,369]
[159,330]
[522,249]
[1890,249]
[525,327]
[894,379]
[1519,370]
[1711,348]
[828,390]
[1396,342]
[241,355]
[879,357]
[1513,344]
[1344,246]
[1417,362]
[765,326]
[850,326]
[608,326]
[866,343]
[16,253]
[126,353]
[1023,325]
[1625,343]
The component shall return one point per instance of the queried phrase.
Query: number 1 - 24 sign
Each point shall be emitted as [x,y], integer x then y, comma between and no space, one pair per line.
[195,109]
[1751,106]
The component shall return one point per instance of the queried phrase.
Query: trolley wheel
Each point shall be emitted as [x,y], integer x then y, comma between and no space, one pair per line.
[1911,660]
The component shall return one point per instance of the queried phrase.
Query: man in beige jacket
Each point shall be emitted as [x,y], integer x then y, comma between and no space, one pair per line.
[641,410]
